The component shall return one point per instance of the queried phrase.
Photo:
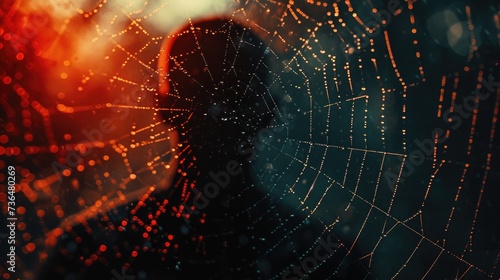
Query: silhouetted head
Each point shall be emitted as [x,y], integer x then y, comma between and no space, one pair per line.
[213,84]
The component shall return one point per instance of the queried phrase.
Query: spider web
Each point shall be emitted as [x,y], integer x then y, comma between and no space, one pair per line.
[355,99]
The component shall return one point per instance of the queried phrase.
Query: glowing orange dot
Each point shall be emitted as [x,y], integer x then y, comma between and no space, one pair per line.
[102,248]
[67,137]
[81,201]
[64,75]
[7,80]
[21,226]
[80,168]
[54,149]
[29,150]
[134,254]
[28,137]
[30,247]
[61,107]
[66,172]
[133,176]
[26,236]
[21,210]
[60,213]
[52,238]
[105,157]
[19,56]
[170,237]
[40,213]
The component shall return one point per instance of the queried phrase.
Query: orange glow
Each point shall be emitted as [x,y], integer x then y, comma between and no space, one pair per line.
[30,247]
